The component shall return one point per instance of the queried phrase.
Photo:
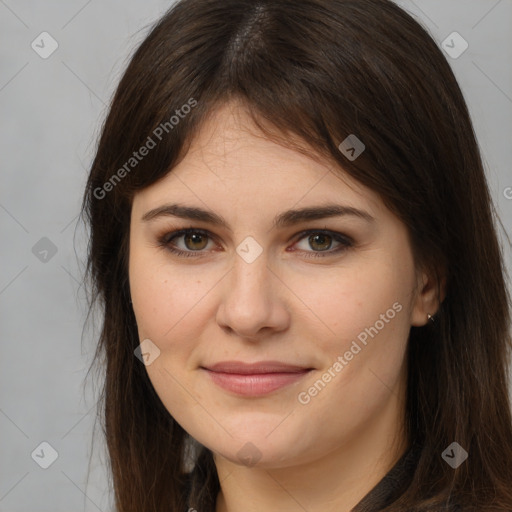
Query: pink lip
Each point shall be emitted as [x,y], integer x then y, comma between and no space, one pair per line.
[254,379]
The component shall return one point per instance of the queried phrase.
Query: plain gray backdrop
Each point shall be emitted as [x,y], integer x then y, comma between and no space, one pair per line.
[51,113]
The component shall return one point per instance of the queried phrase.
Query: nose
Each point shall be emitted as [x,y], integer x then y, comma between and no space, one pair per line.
[253,301]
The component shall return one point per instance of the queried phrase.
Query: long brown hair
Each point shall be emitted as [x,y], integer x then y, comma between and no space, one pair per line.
[320,70]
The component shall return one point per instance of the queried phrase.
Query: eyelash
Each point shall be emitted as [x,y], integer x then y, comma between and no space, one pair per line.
[167,238]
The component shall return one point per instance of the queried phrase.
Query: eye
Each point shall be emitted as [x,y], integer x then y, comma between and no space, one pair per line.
[322,241]
[194,241]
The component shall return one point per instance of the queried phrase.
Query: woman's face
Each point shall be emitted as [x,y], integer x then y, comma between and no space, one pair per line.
[333,296]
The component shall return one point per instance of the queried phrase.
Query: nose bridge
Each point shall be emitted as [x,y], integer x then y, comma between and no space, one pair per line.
[250,277]
[249,303]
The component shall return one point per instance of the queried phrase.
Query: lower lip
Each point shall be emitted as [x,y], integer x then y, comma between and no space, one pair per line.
[255,384]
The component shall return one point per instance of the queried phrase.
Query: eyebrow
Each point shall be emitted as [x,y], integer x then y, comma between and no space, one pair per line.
[284,219]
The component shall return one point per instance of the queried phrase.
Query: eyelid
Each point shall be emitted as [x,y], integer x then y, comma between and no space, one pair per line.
[346,241]
[330,232]
[165,239]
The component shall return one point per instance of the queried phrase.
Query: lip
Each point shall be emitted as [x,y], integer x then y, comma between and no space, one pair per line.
[254,379]
[242,368]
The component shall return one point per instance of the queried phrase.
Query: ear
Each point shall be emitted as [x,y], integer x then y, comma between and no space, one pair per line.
[430,293]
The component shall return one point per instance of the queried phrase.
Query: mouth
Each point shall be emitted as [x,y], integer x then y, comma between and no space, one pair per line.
[254,379]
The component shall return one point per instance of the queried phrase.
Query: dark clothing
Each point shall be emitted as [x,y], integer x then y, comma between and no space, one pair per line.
[392,485]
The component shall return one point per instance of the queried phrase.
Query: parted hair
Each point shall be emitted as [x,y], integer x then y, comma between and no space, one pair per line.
[316,71]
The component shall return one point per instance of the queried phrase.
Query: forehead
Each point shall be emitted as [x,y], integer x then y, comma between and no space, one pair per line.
[230,163]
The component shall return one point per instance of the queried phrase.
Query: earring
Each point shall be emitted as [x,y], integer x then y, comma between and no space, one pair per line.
[431,318]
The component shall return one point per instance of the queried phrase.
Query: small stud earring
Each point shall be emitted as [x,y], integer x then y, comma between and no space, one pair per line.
[431,318]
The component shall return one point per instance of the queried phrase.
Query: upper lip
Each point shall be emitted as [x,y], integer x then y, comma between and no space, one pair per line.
[242,368]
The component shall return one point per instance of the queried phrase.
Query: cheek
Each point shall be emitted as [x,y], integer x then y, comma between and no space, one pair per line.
[167,305]
[348,302]
[164,298]
[363,330]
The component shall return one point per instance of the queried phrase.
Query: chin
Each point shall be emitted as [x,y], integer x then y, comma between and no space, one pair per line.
[256,449]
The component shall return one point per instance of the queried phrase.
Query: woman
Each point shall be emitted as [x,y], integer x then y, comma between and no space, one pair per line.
[293,243]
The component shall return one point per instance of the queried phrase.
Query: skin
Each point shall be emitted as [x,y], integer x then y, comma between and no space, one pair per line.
[215,306]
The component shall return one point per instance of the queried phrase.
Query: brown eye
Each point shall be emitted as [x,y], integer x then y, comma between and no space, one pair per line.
[195,241]
[186,242]
[319,244]
[320,241]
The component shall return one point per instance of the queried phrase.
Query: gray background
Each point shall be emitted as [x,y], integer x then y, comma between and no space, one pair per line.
[51,114]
